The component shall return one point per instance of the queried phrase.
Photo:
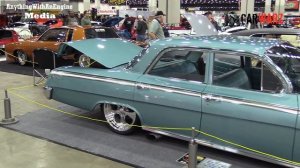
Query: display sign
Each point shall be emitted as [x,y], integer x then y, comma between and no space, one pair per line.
[292,5]
[117,2]
[106,12]
[271,18]
[262,18]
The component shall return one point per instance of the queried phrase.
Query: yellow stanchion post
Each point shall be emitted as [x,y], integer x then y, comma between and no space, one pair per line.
[193,148]
[8,119]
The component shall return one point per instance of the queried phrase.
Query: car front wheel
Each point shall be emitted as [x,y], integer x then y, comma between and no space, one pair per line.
[21,57]
[120,119]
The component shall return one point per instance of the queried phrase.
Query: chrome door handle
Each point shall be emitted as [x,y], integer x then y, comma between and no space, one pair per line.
[211,98]
[142,87]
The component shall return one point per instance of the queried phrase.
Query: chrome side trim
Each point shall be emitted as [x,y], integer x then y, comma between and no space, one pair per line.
[128,83]
[221,147]
[92,77]
[251,103]
[170,90]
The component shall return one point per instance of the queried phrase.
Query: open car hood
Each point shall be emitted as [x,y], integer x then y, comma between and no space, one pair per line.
[112,21]
[108,52]
[201,25]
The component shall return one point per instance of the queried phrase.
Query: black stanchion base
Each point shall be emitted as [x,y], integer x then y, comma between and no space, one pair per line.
[8,121]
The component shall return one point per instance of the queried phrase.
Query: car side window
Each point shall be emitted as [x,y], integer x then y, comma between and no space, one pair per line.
[244,72]
[181,64]
[55,35]
[70,35]
[90,33]
[5,34]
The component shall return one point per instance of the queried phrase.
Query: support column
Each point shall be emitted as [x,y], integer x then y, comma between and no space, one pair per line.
[162,5]
[247,6]
[243,6]
[152,5]
[268,6]
[173,13]
[86,5]
[83,6]
[172,10]
[279,6]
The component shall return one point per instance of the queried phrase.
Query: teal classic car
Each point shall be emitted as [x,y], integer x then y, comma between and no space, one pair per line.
[241,89]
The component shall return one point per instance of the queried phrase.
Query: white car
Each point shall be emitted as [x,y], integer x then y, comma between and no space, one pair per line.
[22,29]
[233,30]
[95,23]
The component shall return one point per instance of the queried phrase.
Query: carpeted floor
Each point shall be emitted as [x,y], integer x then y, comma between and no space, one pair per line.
[15,68]
[96,138]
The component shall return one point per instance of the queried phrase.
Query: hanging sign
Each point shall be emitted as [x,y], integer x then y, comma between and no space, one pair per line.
[262,18]
[271,18]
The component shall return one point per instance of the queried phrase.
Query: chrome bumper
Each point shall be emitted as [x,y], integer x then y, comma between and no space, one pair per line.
[48,92]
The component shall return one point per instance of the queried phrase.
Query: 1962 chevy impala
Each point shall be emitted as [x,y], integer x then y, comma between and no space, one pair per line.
[242,89]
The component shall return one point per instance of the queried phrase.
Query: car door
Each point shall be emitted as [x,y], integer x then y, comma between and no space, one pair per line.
[50,40]
[296,153]
[236,110]
[169,93]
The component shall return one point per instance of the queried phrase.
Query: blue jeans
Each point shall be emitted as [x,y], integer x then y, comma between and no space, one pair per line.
[140,37]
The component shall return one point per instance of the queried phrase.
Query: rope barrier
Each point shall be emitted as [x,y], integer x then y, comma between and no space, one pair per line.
[7,53]
[150,127]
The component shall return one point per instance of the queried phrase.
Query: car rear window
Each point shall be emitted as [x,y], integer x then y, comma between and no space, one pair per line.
[106,33]
[287,58]
[90,33]
[5,34]
[58,35]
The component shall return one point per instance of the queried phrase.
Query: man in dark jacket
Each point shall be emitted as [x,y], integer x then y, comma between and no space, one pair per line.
[141,29]
[211,19]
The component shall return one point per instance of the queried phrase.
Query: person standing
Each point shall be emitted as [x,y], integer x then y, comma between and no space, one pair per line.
[85,21]
[211,19]
[141,29]
[128,23]
[71,19]
[155,27]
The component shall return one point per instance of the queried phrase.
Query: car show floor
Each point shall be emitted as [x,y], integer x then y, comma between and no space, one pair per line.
[45,138]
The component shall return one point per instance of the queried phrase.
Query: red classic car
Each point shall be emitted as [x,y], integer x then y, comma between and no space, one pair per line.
[6,37]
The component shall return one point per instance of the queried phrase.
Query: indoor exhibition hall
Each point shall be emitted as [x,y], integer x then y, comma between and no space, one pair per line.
[149,84]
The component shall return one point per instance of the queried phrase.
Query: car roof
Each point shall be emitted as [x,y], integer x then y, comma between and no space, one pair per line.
[73,27]
[253,45]
[267,31]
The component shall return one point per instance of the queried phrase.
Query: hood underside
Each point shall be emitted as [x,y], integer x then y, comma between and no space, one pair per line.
[201,25]
[108,52]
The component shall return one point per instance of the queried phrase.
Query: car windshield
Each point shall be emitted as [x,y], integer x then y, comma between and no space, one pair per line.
[106,33]
[5,34]
[287,58]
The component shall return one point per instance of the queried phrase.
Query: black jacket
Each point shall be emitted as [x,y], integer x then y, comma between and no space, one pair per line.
[141,27]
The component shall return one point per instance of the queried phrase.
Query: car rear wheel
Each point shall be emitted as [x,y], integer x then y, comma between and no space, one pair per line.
[21,57]
[120,119]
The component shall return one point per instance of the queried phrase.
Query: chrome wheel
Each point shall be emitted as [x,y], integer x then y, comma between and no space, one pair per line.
[120,119]
[84,61]
[22,58]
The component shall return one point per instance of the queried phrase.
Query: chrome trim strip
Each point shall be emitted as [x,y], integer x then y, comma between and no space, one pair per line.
[251,103]
[242,152]
[91,77]
[170,90]
[124,82]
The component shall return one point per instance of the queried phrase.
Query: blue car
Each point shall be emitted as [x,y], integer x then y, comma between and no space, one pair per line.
[241,89]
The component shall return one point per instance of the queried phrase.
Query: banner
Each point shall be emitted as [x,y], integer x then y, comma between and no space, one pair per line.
[292,5]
